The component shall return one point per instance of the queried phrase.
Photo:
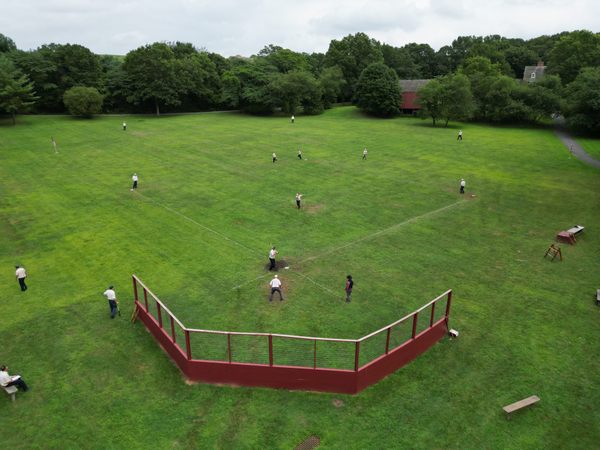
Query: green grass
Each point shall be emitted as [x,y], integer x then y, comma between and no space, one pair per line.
[528,326]
[591,146]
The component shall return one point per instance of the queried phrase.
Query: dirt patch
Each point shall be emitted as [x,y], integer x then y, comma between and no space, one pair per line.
[337,403]
[280,264]
[314,209]
[309,443]
[139,133]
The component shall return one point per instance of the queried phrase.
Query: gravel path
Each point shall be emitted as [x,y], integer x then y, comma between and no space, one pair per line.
[576,149]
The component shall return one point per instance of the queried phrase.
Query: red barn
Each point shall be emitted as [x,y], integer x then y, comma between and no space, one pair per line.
[409,90]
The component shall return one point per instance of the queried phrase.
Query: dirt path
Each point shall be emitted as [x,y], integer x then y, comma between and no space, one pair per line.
[576,149]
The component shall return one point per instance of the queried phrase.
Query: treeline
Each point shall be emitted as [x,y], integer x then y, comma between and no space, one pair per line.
[474,77]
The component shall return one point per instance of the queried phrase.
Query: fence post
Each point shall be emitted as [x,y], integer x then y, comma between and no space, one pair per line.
[270,349]
[387,341]
[414,330]
[229,347]
[315,355]
[172,328]
[159,315]
[448,305]
[356,353]
[146,300]
[188,347]
[432,313]
[135,293]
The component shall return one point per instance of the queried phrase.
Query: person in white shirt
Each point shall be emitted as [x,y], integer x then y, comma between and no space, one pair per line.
[272,254]
[292,118]
[112,301]
[6,380]
[124,126]
[299,153]
[274,157]
[20,275]
[135,181]
[298,199]
[462,185]
[365,153]
[459,137]
[275,284]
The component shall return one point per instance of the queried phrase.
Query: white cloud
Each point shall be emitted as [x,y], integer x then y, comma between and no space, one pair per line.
[234,27]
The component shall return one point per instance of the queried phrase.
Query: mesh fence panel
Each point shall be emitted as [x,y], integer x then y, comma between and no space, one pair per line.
[293,352]
[153,308]
[423,320]
[440,309]
[400,333]
[180,338]
[335,355]
[249,349]
[372,348]
[208,346]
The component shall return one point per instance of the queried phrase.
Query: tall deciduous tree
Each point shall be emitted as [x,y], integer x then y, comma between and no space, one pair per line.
[447,98]
[6,44]
[582,109]
[151,72]
[378,91]
[353,54]
[16,91]
[573,52]
[332,82]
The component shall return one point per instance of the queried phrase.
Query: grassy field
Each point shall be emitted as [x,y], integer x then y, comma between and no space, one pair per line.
[211,203]
[591,146]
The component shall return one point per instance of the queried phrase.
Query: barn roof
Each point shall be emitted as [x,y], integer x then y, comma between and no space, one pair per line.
[412,85]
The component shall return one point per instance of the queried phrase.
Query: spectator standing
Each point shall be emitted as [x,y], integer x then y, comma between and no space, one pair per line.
[275,284]
[348,289]
[7,380]
[112,301]
[20,275]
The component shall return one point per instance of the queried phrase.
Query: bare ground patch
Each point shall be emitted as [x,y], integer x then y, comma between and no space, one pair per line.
[314,209]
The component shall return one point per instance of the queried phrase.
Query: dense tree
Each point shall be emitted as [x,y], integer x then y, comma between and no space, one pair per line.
[255,77]
[352,54]
[6,44]
[582,109]
[294,89]
[16,91]
[378,91]
[573,52]
[401,61]
[199,83]
[151,73]
[332,82]
[447,98]
[83,101]
[423,58]
[284,60]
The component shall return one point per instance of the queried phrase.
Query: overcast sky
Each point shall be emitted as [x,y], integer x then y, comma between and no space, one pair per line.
[237,27]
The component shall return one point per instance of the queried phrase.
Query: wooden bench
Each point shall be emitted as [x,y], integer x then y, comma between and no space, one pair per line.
[565,236]
[509,409]
[10,390]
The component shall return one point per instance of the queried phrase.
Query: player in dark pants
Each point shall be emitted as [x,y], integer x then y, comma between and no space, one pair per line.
[298,200]
[272,254]
[348,289]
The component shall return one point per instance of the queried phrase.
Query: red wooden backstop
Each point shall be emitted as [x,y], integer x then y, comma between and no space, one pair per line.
[292,362]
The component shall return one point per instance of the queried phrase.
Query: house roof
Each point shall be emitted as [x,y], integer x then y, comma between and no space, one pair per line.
[412,85]
[537,70]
